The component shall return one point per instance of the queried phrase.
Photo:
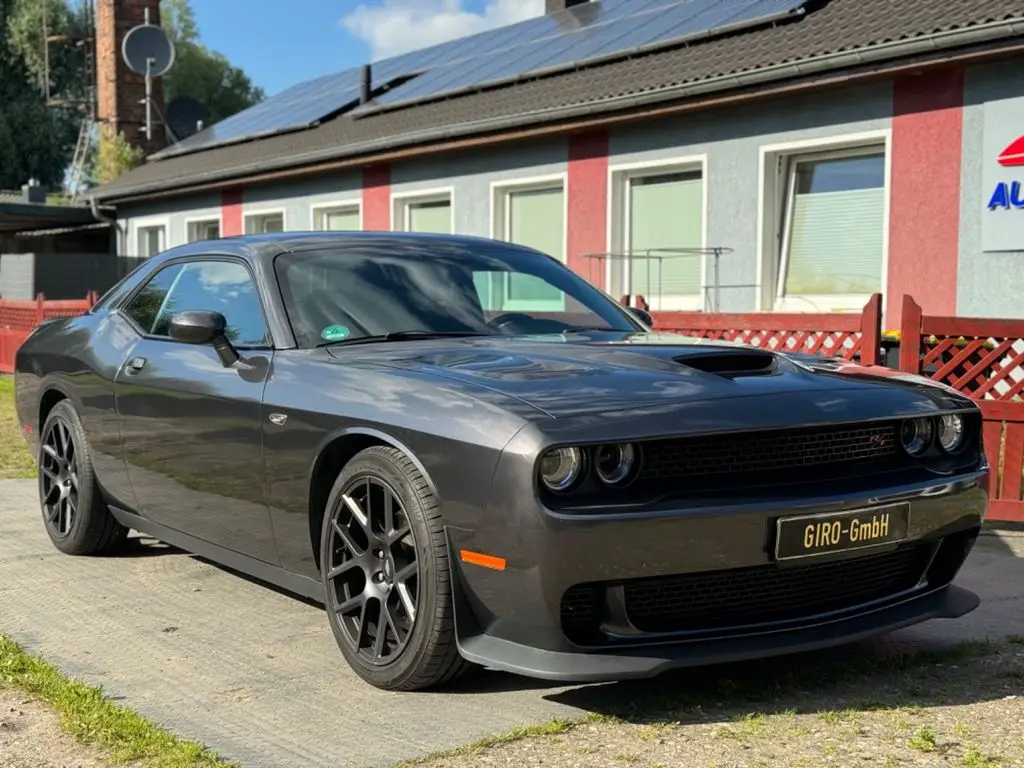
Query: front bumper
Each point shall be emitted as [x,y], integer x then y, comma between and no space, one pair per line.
[516,619]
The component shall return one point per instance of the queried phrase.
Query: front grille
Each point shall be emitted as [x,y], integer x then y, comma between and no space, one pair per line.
[766,594]
[788,455]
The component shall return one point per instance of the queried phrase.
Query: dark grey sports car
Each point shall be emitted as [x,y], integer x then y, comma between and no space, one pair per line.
[472,456]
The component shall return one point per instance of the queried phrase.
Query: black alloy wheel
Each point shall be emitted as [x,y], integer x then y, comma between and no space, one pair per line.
[75,515]
[58,466]
[384,563]
[373,571]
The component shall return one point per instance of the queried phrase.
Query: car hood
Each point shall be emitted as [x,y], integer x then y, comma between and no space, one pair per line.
[575,374]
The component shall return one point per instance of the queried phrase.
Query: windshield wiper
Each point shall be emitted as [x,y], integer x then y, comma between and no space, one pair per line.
[403,336]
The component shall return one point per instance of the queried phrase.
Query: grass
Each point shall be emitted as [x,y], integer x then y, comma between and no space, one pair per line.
[86,714]
[15,459]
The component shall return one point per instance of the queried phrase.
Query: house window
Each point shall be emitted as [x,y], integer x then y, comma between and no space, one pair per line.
[151,240]
[203,230]
[264,223]
[663,232]
[533,216]
[430,214]
[833,225]
[341,218]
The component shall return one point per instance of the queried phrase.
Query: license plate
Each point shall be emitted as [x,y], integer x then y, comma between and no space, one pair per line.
[810,535]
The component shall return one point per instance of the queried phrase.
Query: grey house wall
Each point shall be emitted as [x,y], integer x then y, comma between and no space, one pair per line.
[740,183]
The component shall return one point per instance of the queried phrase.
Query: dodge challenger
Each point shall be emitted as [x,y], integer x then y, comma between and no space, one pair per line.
[472,457]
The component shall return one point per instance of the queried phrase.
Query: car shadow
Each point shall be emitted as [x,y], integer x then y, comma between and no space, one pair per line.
[138,546]
[879,674]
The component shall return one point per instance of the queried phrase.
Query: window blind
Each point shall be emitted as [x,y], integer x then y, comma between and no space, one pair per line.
[537,220]
[430,217]
[665,212]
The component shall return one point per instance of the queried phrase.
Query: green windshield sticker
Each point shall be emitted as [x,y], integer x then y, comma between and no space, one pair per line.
[334,333]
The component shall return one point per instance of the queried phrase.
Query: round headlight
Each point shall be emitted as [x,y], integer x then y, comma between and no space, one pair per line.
[951,433]
[560,468]
[916,435]
[616,464]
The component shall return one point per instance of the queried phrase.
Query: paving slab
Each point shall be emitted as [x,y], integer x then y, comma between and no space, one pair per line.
[255,673]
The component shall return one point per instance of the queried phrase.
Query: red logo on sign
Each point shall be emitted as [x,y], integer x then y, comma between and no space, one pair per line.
[1013,155]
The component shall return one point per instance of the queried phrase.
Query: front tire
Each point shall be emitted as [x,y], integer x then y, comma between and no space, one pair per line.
[384,565]
[75,516]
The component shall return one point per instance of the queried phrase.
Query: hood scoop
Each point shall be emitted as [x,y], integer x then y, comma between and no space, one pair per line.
[730,364]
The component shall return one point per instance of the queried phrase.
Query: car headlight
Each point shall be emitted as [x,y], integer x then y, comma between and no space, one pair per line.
[561,468]
[916,435]
[951,433]
[616,464]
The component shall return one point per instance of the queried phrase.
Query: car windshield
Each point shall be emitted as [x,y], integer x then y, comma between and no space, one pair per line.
[418,288]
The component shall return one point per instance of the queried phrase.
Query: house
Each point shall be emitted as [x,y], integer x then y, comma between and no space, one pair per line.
[787,155]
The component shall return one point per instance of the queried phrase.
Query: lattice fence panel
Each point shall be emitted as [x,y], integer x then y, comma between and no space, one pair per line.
[989,368]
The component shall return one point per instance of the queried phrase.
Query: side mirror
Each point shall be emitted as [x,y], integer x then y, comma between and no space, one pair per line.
[642,315]
[204,327]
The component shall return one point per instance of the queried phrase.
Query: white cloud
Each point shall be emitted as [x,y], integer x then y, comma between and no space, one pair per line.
[392,27]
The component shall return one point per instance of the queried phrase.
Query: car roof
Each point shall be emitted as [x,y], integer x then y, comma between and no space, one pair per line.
[264,247]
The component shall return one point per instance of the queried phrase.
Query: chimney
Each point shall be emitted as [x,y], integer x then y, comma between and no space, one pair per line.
[120,93]
[32,192]
[553,6]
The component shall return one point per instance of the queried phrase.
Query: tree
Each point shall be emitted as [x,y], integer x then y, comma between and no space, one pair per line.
[35,141]
[205,75]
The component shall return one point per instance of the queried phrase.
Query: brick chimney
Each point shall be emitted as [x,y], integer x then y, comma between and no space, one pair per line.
[120,93]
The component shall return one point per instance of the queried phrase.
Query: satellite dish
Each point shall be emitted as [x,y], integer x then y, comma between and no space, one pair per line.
[185,116]
[148,43]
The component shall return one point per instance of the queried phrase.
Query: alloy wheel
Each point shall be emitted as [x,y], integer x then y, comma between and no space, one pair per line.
[372,570]
[59,478]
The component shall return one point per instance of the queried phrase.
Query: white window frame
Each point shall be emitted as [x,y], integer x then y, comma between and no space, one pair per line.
[208,219]
[776,169]
[401,202]
[319,211]
[147,222]
[618,219]
[259,212]
[500,224]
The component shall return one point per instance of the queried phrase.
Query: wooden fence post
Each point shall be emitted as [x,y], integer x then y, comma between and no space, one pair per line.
[40,299]
[871,331]
[910,336]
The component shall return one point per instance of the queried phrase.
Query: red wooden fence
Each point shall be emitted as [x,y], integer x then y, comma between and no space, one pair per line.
[983,358]
[18,318]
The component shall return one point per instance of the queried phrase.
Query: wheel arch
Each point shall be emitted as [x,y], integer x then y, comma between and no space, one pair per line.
[50,393]
[337,450]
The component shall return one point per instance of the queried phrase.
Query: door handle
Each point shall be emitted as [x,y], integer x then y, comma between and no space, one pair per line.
[135,365]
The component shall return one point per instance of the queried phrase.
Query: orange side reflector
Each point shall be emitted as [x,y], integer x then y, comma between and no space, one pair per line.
[487,561]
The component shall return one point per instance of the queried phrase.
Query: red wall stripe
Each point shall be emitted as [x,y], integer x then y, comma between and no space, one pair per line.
[588,204]
[377,197]
[231,212]
[924,203]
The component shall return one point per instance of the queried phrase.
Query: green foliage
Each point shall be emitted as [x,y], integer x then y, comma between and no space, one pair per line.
[114,156]
[35,141]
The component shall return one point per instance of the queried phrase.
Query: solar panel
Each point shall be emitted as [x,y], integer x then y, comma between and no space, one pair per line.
[625,28]
[546,43]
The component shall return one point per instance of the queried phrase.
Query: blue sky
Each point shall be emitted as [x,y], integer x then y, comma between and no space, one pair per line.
[282,42]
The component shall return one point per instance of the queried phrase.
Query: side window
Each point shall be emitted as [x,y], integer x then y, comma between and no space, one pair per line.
[148,302]
[220,286]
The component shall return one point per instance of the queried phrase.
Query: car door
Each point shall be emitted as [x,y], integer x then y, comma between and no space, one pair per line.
[191,427]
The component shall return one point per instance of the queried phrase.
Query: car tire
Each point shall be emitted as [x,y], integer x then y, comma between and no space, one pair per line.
[91,529]
[429,656]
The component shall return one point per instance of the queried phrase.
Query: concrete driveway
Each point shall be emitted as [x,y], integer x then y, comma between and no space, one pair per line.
[256,675]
